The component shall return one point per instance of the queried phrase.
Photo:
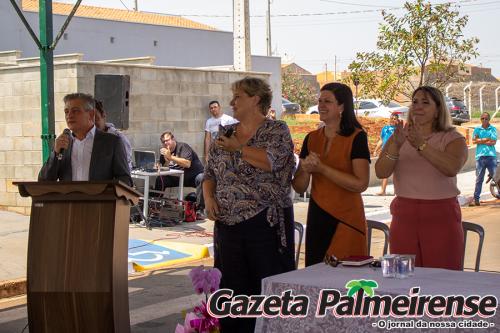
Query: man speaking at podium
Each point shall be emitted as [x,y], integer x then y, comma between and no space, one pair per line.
[84,152]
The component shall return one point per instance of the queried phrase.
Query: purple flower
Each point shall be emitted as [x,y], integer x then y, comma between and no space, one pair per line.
[187,328]
[205,280]
[204,322]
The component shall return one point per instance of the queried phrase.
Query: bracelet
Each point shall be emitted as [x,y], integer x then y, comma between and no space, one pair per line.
[392,157]
[422,146]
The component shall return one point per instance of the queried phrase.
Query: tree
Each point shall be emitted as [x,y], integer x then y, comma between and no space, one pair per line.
[296,90]
[425,46]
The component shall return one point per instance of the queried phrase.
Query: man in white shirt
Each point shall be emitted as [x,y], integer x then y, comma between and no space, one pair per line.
[212,125]
[82,152]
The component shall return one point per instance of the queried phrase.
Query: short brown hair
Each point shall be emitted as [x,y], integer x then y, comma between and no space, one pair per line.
[254,86]
[170,134]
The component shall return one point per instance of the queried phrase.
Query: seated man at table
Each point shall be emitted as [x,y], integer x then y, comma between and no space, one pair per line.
[179,155]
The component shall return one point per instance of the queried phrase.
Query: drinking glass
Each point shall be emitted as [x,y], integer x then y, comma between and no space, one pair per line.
[411,267]
[402,267]
[389,266]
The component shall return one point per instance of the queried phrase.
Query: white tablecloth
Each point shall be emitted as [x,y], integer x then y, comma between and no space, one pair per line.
[311,280]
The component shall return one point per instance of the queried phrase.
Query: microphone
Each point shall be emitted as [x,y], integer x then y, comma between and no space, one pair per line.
[66,131]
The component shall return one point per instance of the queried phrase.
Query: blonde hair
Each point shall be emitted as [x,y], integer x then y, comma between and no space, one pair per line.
[442,123]
[253,86]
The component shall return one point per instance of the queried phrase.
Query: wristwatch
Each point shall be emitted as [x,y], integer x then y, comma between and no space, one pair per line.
[422,146]
[239,152]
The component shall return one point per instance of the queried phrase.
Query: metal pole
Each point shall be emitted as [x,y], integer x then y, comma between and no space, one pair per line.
[26,24]
[326,73]
[447,89]
[268,29]
[46,77]
[335,68]
[65,25]
[46,46]
[468,86]
[496,98]
[496,103]
[481,98]
[136,5]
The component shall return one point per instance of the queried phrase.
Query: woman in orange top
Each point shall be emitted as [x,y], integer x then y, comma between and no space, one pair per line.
[337,157]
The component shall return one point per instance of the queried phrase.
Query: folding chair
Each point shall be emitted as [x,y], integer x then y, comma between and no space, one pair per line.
[473,227]
[300,229]
[379,226]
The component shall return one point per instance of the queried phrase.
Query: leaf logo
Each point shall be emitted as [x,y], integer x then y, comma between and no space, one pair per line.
[368,287]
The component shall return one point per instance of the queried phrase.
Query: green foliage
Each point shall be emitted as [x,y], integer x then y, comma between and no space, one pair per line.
[425,46]
[296,90]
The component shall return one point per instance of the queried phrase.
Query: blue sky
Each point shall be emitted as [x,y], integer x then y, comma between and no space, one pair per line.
[304,32]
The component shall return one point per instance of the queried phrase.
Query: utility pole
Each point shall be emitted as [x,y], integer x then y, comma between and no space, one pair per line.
[335,68]
[241,36]
[268,29]
[326,72]
[136,5]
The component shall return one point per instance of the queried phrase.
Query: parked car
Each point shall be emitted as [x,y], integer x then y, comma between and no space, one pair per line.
[376,108]
[289,107]
[458,110]
[372,108]
[313,110]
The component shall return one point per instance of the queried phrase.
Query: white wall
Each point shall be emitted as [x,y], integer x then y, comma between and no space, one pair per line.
[178,47]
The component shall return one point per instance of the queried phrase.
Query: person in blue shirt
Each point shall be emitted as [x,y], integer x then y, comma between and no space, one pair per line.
[485,137]
[385,134]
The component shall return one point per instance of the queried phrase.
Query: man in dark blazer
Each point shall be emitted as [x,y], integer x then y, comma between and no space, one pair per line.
[85,152]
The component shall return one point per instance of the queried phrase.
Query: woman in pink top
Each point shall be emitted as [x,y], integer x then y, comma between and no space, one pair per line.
[425,156]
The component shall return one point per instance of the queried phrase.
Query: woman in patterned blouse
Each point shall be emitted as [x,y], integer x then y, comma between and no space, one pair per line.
[246,187]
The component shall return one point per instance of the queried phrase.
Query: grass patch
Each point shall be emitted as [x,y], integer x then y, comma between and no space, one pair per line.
[293,122]
[299,136]
[477,113]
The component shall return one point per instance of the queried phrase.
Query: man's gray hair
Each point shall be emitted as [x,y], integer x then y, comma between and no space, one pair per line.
[88,100]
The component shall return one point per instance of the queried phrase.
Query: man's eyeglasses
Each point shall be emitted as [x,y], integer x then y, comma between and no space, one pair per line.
[485,118]
[166,140]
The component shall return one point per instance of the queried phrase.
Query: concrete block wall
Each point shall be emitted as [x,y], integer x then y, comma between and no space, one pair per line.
[161,99]
[20,126]
[166,99]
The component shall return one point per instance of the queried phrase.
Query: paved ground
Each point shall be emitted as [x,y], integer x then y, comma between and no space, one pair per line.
[157,298]
[14,227]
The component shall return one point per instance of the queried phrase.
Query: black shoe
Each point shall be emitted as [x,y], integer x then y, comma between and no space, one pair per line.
[200,216]
[474,203]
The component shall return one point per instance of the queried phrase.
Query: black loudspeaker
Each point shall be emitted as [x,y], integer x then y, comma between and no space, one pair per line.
[113,91]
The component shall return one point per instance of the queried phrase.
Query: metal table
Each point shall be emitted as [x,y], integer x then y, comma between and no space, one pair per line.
[147,175]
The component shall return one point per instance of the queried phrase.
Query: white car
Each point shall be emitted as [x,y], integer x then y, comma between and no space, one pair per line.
[375,108]
[372,108]
[313,110]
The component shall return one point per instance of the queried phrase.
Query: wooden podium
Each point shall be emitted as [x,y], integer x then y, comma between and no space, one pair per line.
[77,256]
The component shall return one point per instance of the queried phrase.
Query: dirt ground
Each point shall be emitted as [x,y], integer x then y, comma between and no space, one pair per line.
[299,129]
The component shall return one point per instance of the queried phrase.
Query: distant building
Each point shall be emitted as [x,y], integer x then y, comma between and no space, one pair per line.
[304,74]
[107,33]
[328,76]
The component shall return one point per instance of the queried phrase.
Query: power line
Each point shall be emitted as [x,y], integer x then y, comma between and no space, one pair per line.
[330,13]
[356,4]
